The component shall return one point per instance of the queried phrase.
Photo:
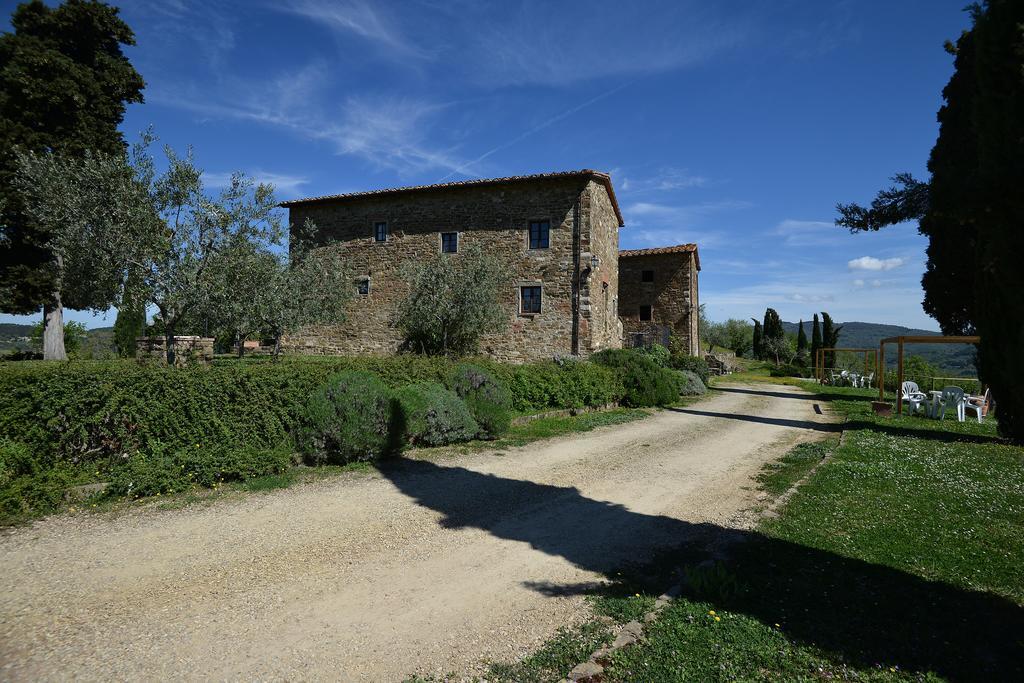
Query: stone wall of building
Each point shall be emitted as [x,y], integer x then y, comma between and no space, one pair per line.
[672,297]
[493,217]
[600,290]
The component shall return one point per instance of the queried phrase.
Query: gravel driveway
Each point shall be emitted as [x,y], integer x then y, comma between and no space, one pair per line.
[430,567]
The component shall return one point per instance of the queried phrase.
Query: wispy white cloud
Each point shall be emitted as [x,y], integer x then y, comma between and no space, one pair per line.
[809,233]
[667,179]
[389,132]
[639,212]
[356,17]
[872,263]
[285,185]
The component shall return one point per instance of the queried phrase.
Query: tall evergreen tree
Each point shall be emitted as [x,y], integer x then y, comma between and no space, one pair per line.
[64,86]
[772,327]
[131,319]
[815,341]
[829,338]
[758,349]
[998,121]
[801,338]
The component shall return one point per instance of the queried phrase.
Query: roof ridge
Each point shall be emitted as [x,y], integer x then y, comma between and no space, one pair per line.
[600,175]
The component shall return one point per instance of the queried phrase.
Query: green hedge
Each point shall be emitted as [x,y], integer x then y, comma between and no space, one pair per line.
[645,382]
[427,414]
[88,411]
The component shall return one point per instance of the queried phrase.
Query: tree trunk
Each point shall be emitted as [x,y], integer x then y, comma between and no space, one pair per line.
[169,336]
[53,330]
[241,344]
[277,346]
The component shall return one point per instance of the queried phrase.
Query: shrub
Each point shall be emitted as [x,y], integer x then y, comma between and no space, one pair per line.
[658,353]
[162,471]
[558,384]
[644,383]
[428,414]
[790,370]
[690,383]
[486,397]
[16,460]
[696,365]
[348,419]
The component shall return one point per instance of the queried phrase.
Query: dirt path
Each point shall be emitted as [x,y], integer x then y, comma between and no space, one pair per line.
[432,567]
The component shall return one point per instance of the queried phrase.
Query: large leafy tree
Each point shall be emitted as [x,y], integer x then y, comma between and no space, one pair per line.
[114,218]
[972,207]
[64,86]
[454,299]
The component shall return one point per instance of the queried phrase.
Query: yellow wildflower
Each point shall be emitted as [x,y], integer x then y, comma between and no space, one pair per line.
[718,618]
[711,612]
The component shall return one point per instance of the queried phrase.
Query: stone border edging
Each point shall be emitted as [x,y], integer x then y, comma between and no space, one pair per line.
[564,412]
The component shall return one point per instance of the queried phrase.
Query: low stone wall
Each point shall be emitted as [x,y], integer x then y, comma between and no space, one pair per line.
[187,349]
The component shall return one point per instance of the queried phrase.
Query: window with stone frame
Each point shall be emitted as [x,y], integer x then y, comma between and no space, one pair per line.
[530,299]
[380,231]
[646,313]
[449,242]
[646,276]
[540,232]
[363,286]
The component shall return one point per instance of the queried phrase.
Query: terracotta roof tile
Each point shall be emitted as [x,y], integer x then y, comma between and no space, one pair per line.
[677,249]
[603,178]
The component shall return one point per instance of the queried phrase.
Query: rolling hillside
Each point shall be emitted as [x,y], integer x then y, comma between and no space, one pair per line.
[957,359]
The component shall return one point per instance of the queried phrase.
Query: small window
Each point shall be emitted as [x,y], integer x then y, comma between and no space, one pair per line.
[539,234]
[646,276]
[529,299]
[380,231]
[645,313]
[449,242]
[363,287]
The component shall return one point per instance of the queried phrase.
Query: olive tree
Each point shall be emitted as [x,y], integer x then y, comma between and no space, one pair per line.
[112,216]
[453,300]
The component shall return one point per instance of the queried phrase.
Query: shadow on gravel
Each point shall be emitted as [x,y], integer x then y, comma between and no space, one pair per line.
[760,419]
[822,394]
[861,612]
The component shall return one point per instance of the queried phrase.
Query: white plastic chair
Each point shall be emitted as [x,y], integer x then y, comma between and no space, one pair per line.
[913,396]
[951,396]
[865,381]
[979,404]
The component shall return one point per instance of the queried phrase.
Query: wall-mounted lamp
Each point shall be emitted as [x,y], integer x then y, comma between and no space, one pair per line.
[594,262]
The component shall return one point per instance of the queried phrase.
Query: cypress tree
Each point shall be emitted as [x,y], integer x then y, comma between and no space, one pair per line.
[801,338]
[815,342]
[829,338]
[757,339]
[130,322]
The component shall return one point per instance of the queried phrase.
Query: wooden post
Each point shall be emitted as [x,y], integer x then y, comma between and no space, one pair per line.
[899,376]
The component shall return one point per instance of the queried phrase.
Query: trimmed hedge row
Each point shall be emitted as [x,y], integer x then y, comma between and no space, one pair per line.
[85,411]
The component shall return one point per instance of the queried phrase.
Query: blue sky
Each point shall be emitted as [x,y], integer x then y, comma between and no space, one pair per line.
[735,125]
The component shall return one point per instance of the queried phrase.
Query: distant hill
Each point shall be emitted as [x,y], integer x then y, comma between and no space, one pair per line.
[957,359]
[15,337]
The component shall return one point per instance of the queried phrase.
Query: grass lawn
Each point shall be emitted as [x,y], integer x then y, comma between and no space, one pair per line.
[901,558]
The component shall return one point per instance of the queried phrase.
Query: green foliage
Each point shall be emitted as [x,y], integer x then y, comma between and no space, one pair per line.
[801,337]
[427,414]
[566,383]
[698,366]
[349,419]
[689,383]
[735,335]
[15,460]
[74,333]
[757,342]
[64,86]
[645,383]
[829,338]
[453,300]
[486,397]
[789,370]
[129,325]
[815,341]
[658,353]
[161,471]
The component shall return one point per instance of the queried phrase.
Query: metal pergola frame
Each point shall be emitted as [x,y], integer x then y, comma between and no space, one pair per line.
[900,341]
[820,360]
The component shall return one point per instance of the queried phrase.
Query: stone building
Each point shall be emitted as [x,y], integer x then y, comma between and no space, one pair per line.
[658,296]
[557,232]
